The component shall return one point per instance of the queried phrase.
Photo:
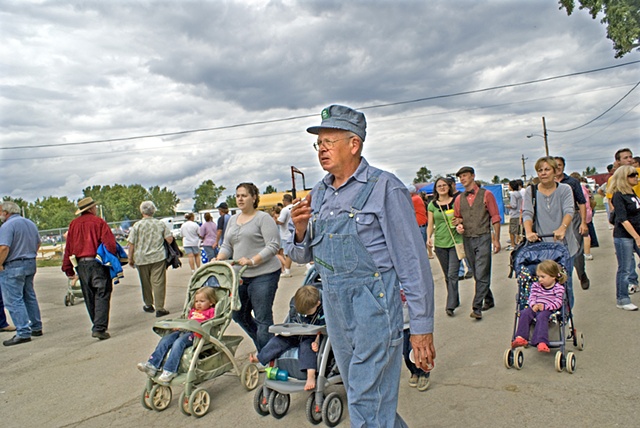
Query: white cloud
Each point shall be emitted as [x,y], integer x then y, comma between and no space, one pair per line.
[83,71]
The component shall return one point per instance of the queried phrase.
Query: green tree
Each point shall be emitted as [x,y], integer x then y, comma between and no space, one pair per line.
[505,181]
[591,170]
[270,189]
[495,179]
[231,201]
[206,195]
[52,212]
[622,18]
[422,175]
[118,202]
[165,200]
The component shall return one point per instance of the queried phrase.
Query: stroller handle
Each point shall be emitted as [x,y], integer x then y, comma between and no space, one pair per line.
[242,268]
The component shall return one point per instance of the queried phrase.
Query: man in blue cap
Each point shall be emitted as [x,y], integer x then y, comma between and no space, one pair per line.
[359,228]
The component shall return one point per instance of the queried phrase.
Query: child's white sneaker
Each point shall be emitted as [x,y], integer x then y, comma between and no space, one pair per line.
[147,368]
[166,376]
[286,273]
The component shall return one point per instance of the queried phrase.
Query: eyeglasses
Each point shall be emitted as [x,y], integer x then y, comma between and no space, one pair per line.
[632,175]
[328,144]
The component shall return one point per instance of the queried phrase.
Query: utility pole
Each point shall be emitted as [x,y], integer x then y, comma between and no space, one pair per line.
[544,133]
[524,171]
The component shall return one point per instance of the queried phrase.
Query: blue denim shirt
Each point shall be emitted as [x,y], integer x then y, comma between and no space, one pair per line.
[388,229]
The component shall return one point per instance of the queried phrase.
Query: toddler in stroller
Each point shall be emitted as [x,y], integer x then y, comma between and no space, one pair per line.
[306,309]
[542,298]
[546,296]
[177,341]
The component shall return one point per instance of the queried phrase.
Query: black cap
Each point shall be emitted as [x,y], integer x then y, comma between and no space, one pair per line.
[465,169]
[223,205]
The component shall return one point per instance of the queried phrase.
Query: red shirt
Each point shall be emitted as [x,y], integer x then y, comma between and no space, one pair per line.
[419,208]
[85,235]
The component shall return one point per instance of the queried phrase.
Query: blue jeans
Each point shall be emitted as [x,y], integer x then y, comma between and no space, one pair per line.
[175,342]
[624,253]
[19,296]
[257,295]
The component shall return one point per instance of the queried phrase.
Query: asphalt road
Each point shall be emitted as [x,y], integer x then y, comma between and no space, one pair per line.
[68,379]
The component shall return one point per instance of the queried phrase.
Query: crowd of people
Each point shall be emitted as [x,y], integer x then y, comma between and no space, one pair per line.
[369,237]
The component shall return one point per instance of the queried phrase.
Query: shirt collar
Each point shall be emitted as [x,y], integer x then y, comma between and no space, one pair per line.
[361,174]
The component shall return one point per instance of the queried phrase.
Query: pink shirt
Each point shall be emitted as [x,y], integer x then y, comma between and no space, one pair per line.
[202,316]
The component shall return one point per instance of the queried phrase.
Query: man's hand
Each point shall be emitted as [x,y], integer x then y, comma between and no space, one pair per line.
[584,229]
[496,246]
[300,215]
[424,351]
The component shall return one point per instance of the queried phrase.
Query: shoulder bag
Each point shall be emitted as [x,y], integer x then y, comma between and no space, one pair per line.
[459,247]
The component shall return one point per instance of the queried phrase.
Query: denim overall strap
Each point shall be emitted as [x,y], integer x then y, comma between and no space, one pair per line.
[362,197]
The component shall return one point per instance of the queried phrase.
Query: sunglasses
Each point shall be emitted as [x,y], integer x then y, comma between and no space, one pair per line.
[632,175]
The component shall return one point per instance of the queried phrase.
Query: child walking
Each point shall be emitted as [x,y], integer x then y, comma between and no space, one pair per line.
[307,309]
[545,297]
[177,341]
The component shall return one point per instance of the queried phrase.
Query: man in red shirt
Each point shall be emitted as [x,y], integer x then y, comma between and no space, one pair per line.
[421,211]
[474,220]
[85,235]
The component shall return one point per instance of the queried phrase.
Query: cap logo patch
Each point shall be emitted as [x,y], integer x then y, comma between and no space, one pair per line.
[325,114]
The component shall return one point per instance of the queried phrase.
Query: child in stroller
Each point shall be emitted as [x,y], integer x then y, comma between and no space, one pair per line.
[546,296]
[176,342]
[307,309]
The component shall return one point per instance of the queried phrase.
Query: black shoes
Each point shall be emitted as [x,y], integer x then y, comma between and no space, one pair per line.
[161,313]
[450,312]
[488,306]
[477,314]
[36,333]
[585,283]
[102,335]
[148,308]
[15,340]
[468,275]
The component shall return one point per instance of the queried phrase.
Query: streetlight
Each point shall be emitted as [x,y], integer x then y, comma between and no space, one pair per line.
[544,129]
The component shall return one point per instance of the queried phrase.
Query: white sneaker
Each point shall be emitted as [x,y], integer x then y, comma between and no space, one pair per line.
[286,273]
[147,368]
[166,376]
[588,256]
[628,307]
[633,288]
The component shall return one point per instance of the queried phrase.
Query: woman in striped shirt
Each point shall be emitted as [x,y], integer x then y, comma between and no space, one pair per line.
[545,298]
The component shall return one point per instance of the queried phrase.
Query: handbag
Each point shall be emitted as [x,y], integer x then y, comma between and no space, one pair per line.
[459,247]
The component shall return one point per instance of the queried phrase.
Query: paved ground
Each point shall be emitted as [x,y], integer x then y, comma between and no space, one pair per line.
[68,379]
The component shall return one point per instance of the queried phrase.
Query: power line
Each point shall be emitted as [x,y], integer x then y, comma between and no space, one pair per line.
[263,122]
[599,116]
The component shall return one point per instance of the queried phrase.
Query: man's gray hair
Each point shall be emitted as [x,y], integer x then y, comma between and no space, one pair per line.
[148,208]
[10,207]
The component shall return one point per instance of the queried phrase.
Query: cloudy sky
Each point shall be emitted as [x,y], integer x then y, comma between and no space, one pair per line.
[253,75]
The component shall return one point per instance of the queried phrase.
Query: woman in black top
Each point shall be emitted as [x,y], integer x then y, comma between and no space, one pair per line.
[626,233]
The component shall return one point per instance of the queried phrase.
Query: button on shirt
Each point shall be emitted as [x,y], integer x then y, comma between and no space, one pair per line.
[387,228]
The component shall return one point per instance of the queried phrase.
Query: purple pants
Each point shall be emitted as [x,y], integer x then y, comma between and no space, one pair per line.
[541,329]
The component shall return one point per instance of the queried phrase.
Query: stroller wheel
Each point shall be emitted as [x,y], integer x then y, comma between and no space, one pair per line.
[559,361]
[184,403]
[145,399]
[571,362]
[260,402]
[332,409]
[508,358]
[199,402]
[313,410]
[278,404]
[249,376]
[578,340]
[160,397]
[518,358]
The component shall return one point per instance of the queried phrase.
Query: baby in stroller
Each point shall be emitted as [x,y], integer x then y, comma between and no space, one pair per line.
[203,309]
[546,297]
[307,309]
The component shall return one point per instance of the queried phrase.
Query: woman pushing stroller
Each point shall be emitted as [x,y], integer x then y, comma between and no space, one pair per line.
[546,297]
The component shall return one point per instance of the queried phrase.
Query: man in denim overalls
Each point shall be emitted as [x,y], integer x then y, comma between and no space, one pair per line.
[359,228]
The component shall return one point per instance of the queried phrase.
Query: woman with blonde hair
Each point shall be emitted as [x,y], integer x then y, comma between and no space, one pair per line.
[551,214]
[626,231]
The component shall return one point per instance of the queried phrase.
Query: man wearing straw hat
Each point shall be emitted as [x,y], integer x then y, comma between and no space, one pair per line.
[85,235]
